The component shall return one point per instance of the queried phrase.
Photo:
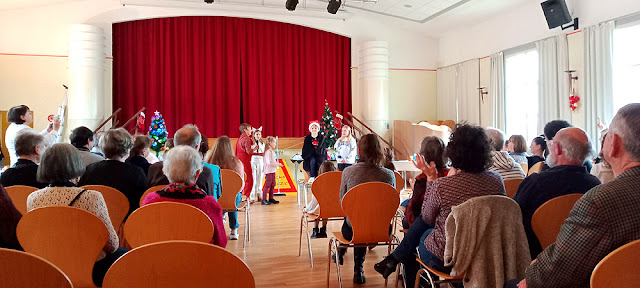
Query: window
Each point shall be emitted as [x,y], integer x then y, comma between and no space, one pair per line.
[626,66]
[521,94]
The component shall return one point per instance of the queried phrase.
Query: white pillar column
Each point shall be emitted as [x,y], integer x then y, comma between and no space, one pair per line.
[373,85]
[86,77]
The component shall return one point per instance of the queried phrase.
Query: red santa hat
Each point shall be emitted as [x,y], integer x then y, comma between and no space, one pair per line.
[314,122]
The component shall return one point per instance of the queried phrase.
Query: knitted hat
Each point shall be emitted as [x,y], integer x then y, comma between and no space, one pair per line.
[314,122]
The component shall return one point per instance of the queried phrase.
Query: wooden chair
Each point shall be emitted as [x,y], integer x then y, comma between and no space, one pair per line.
[232,184]
[446,278]
[22,269]
[399,181]
[618,269]
[179,264]
[19,194]
[69,237]
[165,221]
[536,168]
[370,208]
[525,168]
[326,189]
[549,217]
[151,190]
[117,203]
[511,186]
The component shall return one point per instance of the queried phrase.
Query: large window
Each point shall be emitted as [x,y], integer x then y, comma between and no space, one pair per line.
[626,66]
[521,93]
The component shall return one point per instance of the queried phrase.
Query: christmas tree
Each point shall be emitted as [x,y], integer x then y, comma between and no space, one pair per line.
[327,128]
[158,132]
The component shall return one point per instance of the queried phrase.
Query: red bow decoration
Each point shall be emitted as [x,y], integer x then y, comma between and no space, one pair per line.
[573,100]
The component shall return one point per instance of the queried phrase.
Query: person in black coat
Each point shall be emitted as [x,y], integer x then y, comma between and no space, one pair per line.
[29,147]
[140,150]
[314,150]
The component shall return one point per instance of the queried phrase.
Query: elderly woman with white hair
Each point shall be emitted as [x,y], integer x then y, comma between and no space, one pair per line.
[182,166]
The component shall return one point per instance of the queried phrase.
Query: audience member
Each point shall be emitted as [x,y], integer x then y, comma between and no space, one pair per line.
[602,170]
[222,155]
[28,146]
[9,218]
[314,207]
[61,164]
[96,146]
[21,117]
[190,136]
[388,159]
[469,150]
[538,149]
[243,152]
[566,176]
[113,172]
[550,130]
[604,219]
[82,139]
[139,152]
[368,169]
[215,170]
[182,165]
[502,163]
[518,148]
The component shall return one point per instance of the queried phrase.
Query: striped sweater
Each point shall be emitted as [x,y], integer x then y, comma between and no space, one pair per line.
[506,166]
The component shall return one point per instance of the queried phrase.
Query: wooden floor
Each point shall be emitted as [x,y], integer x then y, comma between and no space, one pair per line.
[272,252]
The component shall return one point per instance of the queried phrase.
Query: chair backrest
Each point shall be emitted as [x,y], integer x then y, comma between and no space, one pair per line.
[549,217]
[399,181]
[179,264]
[618,269]
[525,168]
[117,203]
[511,186]
[536,168]
[69,237]
[151,190]
[165,221]
[231,184]
[370,208]
[326,189]
[22,269]
[19,194]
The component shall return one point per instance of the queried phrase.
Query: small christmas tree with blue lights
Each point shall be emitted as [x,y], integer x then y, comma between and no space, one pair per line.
[327,127]
[158,132]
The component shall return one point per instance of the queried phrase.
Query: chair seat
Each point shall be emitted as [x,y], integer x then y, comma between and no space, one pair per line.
[340,238]
[312,217]
[442,275]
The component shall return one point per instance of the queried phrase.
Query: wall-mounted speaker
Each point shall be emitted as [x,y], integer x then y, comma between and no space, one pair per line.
[556,13]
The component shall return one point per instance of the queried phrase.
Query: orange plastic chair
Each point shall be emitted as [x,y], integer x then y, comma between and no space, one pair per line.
[165,221]
[525,168]
[232,184]
[151,190]
[618,269]
[536,168]
[370,208]
[326,189]
[511,186]
[446,278]
[19,194]
[117,203]
[69,237]
[549,217]
[179,264]
[399,181]
[22,269]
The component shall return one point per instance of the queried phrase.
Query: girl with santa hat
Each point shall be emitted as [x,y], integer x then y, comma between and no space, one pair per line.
[314,150]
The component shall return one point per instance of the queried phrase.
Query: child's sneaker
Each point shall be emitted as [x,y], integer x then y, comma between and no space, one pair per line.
[234,234]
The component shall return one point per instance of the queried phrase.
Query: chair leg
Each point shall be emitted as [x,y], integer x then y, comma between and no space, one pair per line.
[329,262]
[309,242]
[335,246]
[300,246]
[400,268]
[419,274]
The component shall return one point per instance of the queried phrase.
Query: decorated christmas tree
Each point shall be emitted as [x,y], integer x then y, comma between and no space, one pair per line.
[327,128]
[158,132]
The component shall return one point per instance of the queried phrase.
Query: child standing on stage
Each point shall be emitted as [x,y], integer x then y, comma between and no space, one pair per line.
[346,147]
[270,167]
[257,163]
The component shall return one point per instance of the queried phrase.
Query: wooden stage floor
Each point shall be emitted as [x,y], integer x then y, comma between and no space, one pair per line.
[272,253]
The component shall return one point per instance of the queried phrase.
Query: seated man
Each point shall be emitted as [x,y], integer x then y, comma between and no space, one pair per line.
[550,131]
[566,176]
[82,139]
[502,163]
[604,219]
[29,147]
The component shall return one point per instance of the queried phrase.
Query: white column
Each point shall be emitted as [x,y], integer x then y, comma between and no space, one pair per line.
[86,77]
[373,90]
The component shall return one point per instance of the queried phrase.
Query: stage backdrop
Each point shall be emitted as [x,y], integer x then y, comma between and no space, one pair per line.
[218,72]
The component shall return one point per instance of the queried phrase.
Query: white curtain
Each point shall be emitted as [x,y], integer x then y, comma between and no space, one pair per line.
[553,100]
[598,95]
[496,90]
[447,99]
[458,96]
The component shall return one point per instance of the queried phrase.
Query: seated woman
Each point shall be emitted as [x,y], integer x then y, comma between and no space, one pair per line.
[9,218]
[368,169]
[139,153]
[60,166]
[314,206]
[469,152]
[518,149]
[538,149]
[182,165]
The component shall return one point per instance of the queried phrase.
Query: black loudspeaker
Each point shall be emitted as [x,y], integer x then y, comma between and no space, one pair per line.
[333,6]
[556,13]
[291,4]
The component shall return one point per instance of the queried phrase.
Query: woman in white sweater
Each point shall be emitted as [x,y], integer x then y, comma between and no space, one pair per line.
[347,149]
[21,117]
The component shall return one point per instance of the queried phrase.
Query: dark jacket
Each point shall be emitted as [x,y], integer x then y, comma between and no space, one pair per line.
[9,218]
[310,151]
[140,162]
[23,173]
[204,181]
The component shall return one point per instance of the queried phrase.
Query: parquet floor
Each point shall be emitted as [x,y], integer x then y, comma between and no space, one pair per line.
[272,252]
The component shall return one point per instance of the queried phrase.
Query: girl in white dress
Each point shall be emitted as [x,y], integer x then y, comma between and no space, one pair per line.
[257,161]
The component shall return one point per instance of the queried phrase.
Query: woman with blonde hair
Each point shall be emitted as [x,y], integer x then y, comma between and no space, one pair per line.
[347,149]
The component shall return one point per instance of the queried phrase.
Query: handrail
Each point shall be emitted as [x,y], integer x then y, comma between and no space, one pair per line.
[135,116]
[105,121]
[372,132]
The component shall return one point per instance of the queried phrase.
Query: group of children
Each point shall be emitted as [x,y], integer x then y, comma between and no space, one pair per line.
[263,164]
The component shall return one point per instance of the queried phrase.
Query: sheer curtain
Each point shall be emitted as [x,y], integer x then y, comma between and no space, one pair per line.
[598,54]
[447,99]
[467,85]
[553,100]
[496,89]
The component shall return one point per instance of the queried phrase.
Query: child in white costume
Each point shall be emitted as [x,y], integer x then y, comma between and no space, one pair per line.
[257,163]
[346,148]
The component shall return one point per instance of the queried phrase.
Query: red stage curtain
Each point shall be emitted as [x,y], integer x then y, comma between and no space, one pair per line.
[218,72]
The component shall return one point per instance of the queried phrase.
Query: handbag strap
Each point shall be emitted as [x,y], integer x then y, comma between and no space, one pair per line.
[77,197]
